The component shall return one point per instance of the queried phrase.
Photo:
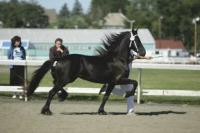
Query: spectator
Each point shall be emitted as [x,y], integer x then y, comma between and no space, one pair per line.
[58,50]
[55,52]
[16,52]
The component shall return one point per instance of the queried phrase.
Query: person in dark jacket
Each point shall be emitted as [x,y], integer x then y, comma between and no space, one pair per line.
[16,52]
[56,52]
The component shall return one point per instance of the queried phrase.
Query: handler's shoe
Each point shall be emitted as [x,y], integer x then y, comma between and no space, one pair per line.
[131,112]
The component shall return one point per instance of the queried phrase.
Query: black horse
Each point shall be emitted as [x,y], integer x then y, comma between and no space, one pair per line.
[107,67]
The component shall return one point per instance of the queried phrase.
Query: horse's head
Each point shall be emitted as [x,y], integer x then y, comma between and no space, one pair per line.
[119,45]
[136,44]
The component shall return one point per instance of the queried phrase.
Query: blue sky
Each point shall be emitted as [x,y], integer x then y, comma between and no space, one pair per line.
[57,4]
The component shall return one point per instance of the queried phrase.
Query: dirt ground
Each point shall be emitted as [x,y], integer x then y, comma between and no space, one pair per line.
[80,117]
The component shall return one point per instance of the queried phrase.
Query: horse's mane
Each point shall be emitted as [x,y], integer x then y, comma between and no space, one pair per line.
[110,43]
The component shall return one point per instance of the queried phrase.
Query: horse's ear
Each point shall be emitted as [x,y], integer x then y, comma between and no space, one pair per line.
[134,30]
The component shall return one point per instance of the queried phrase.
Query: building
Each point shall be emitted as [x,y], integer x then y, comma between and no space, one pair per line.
[52,15]
[170,48]
[80,41]
[115,20]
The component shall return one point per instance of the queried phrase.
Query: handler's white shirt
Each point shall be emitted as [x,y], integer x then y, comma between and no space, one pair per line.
[17,53]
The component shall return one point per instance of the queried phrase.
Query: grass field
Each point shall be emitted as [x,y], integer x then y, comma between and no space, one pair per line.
[151,79]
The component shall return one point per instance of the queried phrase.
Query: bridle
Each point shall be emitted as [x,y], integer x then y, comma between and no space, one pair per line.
[132,40]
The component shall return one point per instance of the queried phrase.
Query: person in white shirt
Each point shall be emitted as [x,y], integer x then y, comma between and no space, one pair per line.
[16,52]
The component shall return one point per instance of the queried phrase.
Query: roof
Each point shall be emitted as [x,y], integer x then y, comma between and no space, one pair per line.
[70,35]
[169,44]
[115,19]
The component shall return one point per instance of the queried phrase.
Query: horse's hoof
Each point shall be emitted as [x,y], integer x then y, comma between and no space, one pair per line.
[46,112]
[102,112]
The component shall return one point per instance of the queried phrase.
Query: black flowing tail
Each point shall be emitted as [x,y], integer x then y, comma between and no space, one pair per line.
[37,76]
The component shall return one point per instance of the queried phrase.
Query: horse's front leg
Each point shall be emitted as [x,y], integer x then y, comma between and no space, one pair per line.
[105,98]
[46,109]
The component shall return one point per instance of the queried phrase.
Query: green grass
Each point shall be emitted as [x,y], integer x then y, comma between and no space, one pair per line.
[151,79]
[170,79]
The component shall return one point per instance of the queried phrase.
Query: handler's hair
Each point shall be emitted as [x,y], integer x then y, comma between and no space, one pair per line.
[59,39]
[14,39]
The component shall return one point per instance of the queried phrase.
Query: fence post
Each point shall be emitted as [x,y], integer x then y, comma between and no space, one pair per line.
[139,91]
[25,81]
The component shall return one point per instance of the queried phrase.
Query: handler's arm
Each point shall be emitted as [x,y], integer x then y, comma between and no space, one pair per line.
[143,57]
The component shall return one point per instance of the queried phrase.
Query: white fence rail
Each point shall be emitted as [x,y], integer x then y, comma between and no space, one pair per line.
[78,90]
[138,66]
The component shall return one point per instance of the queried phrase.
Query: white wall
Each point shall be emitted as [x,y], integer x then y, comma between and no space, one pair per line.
[172,52]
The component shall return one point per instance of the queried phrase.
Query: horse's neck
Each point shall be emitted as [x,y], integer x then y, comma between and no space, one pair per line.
[121,51]
[123,54]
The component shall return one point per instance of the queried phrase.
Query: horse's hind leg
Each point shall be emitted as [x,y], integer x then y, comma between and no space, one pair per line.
[52,92]
[105,98]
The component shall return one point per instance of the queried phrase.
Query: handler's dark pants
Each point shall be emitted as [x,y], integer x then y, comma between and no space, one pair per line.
[17,75]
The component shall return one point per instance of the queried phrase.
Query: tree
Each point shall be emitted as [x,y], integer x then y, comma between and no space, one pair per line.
[9,14]
[64,12]
[193,11]
[77,9]
[107,6]
[100,8]
[34,16]
[177,17]
[142,11]
[117,5]
[22,14]
[177,22]
[73,22]
[14,1]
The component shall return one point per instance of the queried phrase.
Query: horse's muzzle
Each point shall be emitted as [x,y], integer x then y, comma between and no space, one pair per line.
[142,53]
